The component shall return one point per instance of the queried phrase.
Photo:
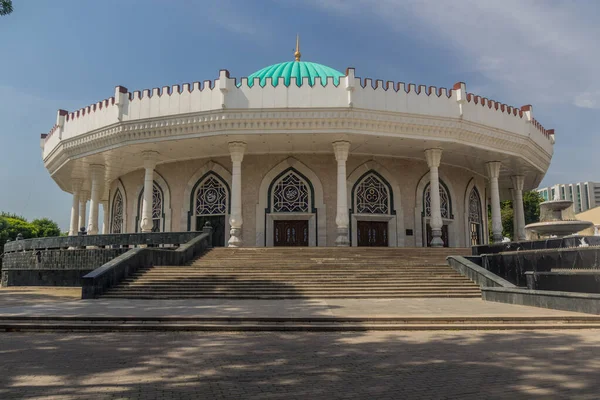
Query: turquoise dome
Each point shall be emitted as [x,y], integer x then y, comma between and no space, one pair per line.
[298,69]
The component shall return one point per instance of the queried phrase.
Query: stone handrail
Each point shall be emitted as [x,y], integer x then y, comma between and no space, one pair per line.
[120,240]
[110,274]
[477,274]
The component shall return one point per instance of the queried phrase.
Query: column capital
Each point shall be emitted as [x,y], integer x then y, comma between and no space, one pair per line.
[84,195]
[97,173]
[236,150]
[518,181]
[150,158]
[433,157]
[76,184]
[96,168]
[341,148]
[493,169]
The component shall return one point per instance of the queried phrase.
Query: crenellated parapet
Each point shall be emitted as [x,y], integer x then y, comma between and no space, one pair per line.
[350,92]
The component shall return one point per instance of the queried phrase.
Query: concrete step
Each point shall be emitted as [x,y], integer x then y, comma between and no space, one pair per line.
[281,273]
[283,296]
[122,324]
[288,290]
[247,284]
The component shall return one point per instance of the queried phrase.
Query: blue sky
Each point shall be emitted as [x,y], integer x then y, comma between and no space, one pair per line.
[69,54]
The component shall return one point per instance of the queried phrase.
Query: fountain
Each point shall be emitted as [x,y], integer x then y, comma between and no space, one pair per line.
[557,219]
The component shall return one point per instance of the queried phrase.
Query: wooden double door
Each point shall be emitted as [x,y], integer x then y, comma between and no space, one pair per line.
[290,233]
[372,233]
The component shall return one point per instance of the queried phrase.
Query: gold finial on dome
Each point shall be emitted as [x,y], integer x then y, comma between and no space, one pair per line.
[297,54]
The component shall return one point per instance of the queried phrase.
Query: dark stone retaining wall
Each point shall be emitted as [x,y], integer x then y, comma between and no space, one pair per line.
[578,302]
[63,261]
[566,281]
[513,265]
[112,240]
[556,243]
[53,267]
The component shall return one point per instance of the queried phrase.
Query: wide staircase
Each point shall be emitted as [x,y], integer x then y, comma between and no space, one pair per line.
[303,272]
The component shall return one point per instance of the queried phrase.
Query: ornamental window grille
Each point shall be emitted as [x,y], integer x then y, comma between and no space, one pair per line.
[157,203]
[474,207]
[291,194]
[117,213]
[475,217]
[372,196]
[211,198]
[444,202]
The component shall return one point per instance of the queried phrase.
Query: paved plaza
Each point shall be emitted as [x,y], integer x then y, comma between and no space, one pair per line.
[64,302]
[372,365]
[272,365]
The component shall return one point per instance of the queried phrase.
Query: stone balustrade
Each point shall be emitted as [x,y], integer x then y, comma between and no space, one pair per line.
[110,240]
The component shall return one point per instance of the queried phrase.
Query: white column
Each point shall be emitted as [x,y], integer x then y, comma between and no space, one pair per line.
[73,228]
[105,217]
[493,169]
[341,150]
[150,158]
[236,150]
[434,156]
[83,198]
[518,181]
[97,178]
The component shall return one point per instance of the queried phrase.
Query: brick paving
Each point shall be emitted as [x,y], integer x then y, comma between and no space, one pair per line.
[366,365]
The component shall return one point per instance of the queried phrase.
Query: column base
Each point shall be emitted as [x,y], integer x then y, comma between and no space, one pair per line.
[436,240]
[497,237]
[235,240]
[342,238]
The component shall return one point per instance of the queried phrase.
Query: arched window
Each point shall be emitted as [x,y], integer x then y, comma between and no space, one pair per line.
[157,208]
[291,193]
[475,217]
[445,205]
[116,225]
[211,197]
[372,196]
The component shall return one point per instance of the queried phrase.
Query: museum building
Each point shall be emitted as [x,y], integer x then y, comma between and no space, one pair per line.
[299,154]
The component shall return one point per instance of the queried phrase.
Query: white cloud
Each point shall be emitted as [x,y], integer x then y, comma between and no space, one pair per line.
[588,100]
[538,51]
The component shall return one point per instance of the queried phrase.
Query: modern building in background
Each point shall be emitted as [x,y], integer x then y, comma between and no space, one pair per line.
[585,195]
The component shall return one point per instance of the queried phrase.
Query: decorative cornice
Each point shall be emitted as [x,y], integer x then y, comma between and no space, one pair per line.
[309,120]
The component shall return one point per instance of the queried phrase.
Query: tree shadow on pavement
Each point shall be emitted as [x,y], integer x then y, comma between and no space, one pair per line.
[271,365]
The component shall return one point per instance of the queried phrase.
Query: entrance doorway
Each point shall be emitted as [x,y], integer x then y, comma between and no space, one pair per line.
[444,235]
[218,224]
[372,233]
[290,233]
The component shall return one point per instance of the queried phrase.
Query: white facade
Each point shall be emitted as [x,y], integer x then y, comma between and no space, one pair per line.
[419,164]
[585,195]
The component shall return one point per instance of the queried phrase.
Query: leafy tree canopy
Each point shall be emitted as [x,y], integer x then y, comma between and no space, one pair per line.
[6,7]
[531,206]
[11,225]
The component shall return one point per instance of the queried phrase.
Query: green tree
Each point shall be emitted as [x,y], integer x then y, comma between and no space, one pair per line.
[6,7]
[11,225]
[531,207]
[45,227]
